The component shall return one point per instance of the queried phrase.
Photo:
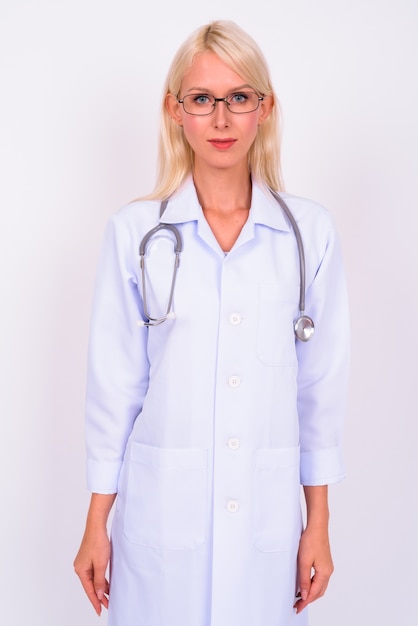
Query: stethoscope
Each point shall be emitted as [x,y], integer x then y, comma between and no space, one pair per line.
[303,325]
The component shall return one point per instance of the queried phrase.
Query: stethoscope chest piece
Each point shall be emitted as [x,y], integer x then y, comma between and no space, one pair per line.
[304,328]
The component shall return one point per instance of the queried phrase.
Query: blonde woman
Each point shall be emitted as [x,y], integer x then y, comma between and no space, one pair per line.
[205,413]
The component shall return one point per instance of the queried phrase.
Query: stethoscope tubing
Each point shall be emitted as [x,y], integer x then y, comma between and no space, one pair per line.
[301,251]
[303,326]
[178,248]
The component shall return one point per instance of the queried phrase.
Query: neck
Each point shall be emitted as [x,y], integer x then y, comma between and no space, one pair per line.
[222,191]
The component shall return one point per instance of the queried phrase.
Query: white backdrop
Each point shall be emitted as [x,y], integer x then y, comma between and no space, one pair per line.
[80,85]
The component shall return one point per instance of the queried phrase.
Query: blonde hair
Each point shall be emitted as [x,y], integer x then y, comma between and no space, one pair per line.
[240,52]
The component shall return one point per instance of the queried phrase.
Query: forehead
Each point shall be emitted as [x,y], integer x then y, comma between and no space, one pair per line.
[210,73]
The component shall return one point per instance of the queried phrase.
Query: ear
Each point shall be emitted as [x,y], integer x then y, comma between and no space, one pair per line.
[266,107]
[174,109]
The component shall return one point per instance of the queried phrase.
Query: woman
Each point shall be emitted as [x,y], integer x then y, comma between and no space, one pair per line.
[205,414]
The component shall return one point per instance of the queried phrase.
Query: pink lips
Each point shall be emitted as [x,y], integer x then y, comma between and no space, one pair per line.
[222,144]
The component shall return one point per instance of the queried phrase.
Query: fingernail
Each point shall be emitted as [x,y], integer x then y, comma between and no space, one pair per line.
[304,594]
[100,594]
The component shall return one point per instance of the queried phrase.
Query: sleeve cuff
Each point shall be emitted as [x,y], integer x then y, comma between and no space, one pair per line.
[321,467]
[103,477]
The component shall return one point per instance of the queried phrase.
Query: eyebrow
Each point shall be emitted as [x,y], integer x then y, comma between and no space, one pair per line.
[204,90]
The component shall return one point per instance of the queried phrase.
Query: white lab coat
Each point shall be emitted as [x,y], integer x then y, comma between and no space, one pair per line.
[206,425]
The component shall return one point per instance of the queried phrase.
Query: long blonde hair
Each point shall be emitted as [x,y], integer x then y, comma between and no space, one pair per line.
[240,52]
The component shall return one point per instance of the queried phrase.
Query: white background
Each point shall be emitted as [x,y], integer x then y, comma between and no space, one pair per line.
[80,86]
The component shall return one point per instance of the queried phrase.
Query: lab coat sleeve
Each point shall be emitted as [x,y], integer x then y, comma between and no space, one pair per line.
[323,370]
[117,377]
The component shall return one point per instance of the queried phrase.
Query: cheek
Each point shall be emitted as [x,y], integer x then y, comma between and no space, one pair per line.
[192,128]
[251,129]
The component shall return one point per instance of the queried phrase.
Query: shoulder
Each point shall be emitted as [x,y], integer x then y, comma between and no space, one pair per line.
[305,209]
[127,226]
[315,221]
[306,212]
[316,225]
[138,214]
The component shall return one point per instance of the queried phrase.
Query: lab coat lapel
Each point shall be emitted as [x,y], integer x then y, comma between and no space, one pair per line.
[184,206]
[264,211]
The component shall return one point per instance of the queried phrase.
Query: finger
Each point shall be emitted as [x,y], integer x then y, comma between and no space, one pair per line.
[300,603]
[102,595]
[95,586]
[100,582]
[318,586]
[304,576]
[101,587]
[88,586]
[304,588]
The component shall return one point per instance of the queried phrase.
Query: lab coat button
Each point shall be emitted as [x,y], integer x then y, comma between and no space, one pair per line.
[234,381]
[235,319]
[232,506]
[234,443]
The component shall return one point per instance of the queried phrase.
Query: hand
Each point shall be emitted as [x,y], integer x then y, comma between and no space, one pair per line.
[90,566]
[314,555]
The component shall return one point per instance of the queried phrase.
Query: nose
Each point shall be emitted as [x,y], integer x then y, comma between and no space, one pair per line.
[221,113]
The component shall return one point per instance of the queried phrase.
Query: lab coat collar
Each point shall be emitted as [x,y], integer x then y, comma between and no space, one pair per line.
[184,206]
[266,210]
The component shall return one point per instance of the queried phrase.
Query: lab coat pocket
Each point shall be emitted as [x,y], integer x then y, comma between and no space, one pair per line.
[275,334]
[166,497]
[277,520]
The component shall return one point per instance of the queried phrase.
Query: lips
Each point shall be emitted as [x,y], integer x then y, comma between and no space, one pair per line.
[222,144]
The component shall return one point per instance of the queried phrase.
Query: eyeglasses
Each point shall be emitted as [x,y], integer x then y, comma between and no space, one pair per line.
[204,104]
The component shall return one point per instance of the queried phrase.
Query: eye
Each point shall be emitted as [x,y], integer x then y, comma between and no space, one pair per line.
[238,98]
[201,98]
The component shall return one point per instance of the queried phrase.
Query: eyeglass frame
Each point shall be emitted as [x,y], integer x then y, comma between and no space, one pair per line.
[216,100]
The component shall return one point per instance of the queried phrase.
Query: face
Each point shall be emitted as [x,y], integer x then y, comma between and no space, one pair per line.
[221,139]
